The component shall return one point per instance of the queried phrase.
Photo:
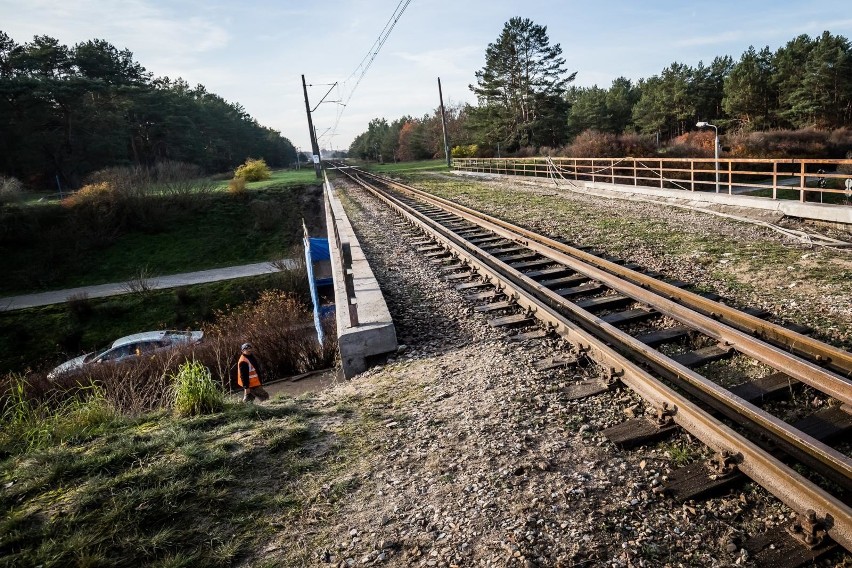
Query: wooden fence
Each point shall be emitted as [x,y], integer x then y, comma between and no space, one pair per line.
[828,180]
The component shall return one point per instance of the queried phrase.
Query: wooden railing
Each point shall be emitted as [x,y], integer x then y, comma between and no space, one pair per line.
[827,180]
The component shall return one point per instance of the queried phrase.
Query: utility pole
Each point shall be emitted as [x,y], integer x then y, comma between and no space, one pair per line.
[314,144]
[444,126]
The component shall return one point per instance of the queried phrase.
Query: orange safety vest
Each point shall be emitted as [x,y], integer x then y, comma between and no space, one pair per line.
[254,379]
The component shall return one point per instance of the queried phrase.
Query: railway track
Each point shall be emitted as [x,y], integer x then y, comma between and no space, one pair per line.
[656,337]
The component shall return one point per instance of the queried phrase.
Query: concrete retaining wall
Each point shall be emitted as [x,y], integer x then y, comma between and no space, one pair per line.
[373,333]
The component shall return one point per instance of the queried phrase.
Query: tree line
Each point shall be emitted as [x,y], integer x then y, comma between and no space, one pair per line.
[525,100]
[66,112]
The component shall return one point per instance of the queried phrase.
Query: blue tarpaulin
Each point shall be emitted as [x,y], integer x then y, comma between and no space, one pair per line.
[317,249]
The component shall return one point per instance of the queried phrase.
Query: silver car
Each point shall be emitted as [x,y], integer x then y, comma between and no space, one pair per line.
[128,347]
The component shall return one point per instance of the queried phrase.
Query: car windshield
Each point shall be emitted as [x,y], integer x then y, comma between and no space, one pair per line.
[95,355]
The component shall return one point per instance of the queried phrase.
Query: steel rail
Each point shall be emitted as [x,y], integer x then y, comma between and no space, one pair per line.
[807,372]
[823,353]
[797,492]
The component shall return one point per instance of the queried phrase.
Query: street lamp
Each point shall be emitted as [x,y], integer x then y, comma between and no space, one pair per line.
[715,148]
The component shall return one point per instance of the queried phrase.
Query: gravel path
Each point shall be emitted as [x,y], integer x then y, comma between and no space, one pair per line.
[477,459]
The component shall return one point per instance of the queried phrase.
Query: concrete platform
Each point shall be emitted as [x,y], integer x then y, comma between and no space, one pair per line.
[367,331]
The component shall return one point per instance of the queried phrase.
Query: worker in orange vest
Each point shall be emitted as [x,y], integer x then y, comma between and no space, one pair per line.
[248,375]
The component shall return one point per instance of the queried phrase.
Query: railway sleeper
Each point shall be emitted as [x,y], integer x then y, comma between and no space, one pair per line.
[603,302]
[513,258]
[482,296]
[704,355]
[437,254]
[531,264]
[494,306]
[565,281]
[459,276]
[662,336]
[588,288]
[553,273]
[638,432]
[585,389]
[555,362]
[453,267]
[700,480]
[830,423]
[514,320]
[785,547]
[529,335]
[473,285]
[770,387]
[629,316]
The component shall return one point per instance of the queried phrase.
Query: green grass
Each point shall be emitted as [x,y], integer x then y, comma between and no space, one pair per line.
[195,392]
[163,491]
[45,336]
[280,179]
[222,230]
[794,195]
[408,167]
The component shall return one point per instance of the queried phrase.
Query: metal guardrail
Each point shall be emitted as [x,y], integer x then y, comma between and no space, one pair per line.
[345,250]
[805,178]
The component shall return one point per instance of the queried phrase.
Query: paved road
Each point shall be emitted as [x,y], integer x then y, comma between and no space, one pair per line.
[10,303]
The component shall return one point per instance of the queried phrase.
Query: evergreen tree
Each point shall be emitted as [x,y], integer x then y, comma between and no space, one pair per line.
[750,98]
[520,89]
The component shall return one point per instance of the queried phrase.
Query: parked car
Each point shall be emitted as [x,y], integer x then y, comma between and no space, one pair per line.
[128,347]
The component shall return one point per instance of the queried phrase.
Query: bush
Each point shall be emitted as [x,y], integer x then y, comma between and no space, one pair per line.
[10,189]
[278,324]
[805,143]
[237,186]
[593,144]
[195,392]
[253,170]
[468,151]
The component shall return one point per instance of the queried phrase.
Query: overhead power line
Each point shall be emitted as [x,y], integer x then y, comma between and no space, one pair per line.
[361,70]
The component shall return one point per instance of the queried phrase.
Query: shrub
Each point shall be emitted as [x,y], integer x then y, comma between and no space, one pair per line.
[10,189]
[278,324]
[468,151]
[253,170]
[195,392]
[593,144]
[237,186]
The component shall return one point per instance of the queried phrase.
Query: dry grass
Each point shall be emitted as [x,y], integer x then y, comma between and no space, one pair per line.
[277,324]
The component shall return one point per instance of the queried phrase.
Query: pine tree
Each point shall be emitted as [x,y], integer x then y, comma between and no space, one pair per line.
[521,88]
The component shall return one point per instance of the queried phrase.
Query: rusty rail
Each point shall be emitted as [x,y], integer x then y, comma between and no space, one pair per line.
[595,337]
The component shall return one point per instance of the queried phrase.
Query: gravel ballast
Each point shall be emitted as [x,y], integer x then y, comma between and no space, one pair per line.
[474,458]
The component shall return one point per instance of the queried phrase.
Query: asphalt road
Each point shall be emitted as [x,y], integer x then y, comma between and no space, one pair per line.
[11,303]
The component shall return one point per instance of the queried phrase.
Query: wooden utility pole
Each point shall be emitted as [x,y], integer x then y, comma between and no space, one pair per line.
[444,126]
[314,143]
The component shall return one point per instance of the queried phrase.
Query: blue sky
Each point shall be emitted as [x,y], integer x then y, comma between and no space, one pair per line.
[253,52]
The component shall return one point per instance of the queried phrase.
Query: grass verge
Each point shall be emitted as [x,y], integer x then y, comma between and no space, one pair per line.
[163,491]
[50,246]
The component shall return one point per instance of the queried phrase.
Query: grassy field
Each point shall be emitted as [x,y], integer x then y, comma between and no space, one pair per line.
[280,178]
[47,246]
[164,491]
[408,167]
[43,337]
